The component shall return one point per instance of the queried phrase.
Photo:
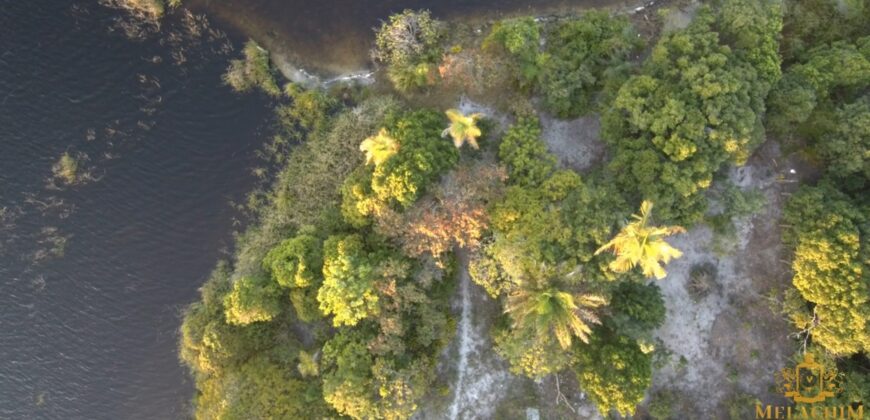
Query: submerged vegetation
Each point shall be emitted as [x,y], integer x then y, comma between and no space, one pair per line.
[153,9]
[66,168]
[70,169]
[337,301]
[254,71]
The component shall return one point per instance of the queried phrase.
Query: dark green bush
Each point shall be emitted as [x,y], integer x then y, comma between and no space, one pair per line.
[520,38]
[695,106]
[581,54]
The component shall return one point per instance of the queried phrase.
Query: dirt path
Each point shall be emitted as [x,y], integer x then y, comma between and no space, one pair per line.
[482,378]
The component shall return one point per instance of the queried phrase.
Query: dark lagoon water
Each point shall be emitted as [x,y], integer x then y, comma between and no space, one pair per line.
[93,276]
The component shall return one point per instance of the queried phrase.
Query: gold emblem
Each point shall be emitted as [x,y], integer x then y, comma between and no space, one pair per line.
[809,382]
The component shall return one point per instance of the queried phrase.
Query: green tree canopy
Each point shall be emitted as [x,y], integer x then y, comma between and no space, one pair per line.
[521,38]
[637,307]
[847,148]
[348,280]
[399,180]
[695,105]
[840,66]
[362,386]
[831,267]
[260,389]
[296,262]
[253,299]
[530,354]
[614,371]
[581,54]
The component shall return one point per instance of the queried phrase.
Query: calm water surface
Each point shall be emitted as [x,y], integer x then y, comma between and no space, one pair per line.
[91,334]
[93,276]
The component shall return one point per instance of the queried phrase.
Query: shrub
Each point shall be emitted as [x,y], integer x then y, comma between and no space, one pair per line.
[581,54]
[309,111]
[521,39]
[702,280]
[255,70]
[66,169]
[307,365]
[409,44]
[661,405]
[613,371]
[348,276]
[253,299]
[695,106]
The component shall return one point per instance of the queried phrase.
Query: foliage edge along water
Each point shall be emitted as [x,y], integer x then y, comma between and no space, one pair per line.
[340,299]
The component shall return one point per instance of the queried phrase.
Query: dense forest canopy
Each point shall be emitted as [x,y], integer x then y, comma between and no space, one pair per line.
[337,301]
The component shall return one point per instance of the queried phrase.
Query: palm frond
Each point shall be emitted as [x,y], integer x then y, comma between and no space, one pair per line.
[379,148]
[638,244]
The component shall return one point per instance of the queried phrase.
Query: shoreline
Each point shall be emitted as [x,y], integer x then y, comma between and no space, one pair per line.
[294,67]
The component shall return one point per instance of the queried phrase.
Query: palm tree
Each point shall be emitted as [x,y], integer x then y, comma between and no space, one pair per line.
[547,310]
[463,128]
[639,244]
[379,148]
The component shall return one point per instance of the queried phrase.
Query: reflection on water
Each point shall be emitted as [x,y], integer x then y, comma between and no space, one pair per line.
[336,35]
[93,275]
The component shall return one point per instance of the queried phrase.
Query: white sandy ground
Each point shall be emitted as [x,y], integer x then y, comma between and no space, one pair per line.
[731,341]
[576,142]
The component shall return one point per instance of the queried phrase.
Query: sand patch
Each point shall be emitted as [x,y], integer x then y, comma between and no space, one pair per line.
[577,143]
[729,342]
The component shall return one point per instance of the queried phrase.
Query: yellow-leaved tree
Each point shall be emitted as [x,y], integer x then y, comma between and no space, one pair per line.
[463,128]
[640,245]
[379,148]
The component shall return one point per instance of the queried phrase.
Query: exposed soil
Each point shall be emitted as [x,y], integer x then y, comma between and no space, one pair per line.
[733,341]
[478,379]
[576,142]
